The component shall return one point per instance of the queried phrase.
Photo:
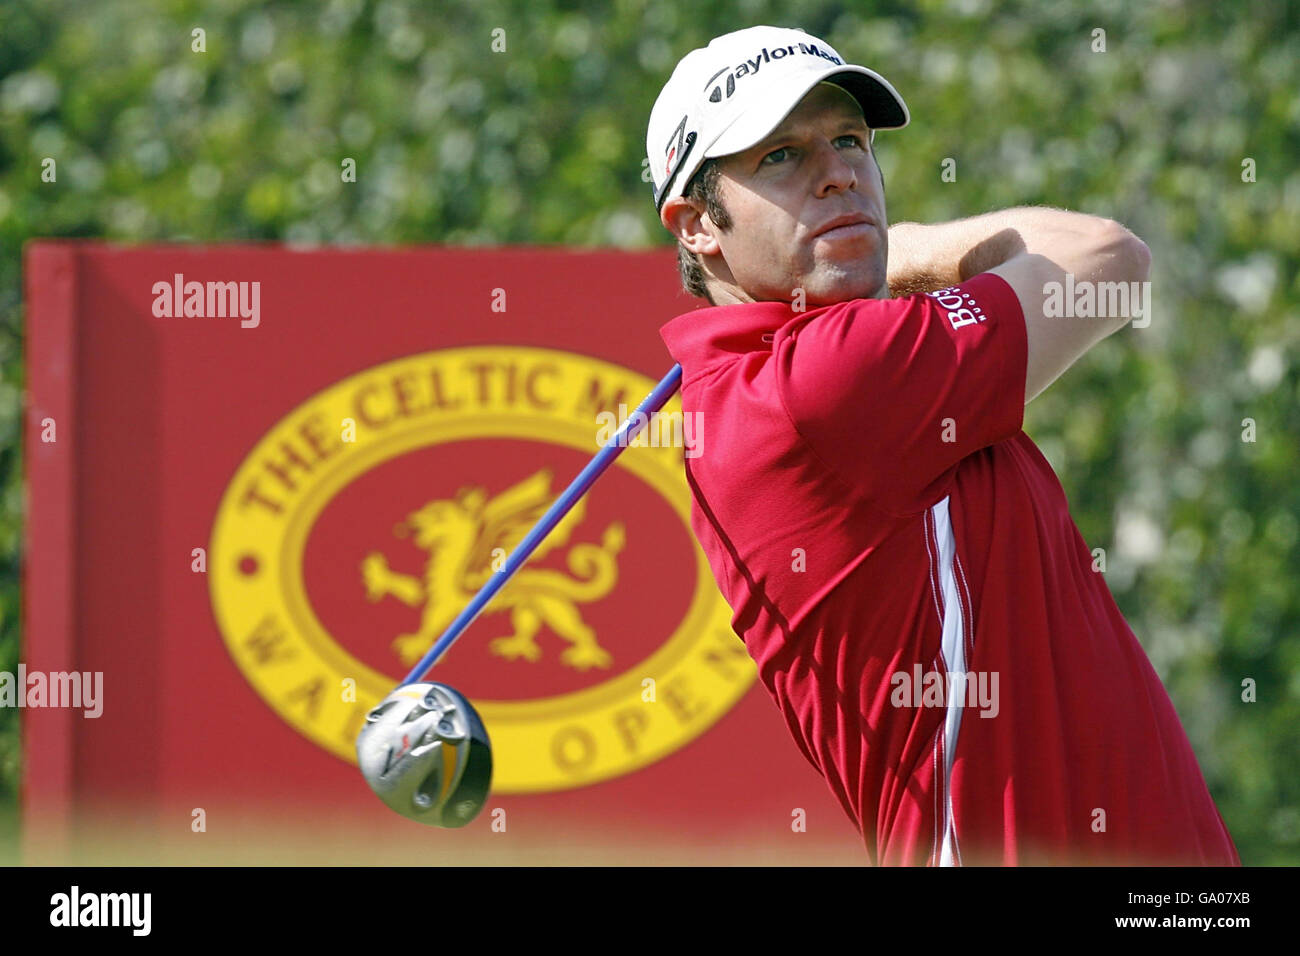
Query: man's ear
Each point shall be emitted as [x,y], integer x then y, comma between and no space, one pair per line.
[690,225]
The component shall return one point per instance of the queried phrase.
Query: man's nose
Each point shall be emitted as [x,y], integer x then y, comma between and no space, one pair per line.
[834,170]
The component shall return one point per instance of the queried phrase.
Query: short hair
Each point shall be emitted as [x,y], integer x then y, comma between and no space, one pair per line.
[704,189]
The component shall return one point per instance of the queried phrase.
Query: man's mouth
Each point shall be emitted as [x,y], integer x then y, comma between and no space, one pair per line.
[850,231]
[848,226]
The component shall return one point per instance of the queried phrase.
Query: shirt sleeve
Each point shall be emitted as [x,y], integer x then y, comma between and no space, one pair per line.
[892,393]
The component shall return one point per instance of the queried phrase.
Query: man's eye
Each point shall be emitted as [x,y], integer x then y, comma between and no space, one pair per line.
[781,157]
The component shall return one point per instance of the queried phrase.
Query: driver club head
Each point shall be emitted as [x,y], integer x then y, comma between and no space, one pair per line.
[424,751]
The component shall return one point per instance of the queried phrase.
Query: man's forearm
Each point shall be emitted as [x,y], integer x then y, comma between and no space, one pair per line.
[924,257]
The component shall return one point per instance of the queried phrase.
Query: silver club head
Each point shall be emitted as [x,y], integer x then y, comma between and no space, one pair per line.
[425,753]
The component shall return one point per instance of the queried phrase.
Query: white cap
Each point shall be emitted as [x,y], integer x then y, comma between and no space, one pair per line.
[726,97]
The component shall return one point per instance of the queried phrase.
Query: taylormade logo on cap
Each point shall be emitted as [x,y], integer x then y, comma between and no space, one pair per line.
[749,67]
[724,98]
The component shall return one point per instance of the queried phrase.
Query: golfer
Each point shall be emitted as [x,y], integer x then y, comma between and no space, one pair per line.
[898,554]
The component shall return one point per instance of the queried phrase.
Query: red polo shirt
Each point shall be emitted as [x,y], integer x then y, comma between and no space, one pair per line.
[903,568]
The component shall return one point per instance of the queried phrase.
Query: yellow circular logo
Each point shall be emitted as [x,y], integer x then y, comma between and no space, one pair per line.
[367,518]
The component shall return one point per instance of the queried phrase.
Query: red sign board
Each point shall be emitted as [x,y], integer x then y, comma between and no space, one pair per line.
[263,481]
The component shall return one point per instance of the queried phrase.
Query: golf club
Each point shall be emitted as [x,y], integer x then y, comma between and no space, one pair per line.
[424,749]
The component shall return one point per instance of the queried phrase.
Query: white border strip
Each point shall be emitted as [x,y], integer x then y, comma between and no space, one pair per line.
[953,650]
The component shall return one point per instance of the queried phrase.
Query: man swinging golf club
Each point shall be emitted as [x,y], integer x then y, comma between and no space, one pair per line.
[899,556]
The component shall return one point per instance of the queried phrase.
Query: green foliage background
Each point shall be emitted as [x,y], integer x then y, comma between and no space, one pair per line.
[544,143]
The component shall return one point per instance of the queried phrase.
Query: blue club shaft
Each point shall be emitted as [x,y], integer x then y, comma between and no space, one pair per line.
[563,504]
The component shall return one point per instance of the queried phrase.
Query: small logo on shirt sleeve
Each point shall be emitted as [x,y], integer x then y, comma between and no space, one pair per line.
[960,304]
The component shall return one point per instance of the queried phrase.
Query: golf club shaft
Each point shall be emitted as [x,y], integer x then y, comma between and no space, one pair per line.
[577,488]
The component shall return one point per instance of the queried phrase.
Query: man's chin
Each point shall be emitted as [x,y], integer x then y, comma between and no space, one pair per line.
[847,289]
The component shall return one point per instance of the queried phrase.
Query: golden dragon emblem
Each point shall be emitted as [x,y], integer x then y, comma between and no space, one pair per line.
[461,534]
